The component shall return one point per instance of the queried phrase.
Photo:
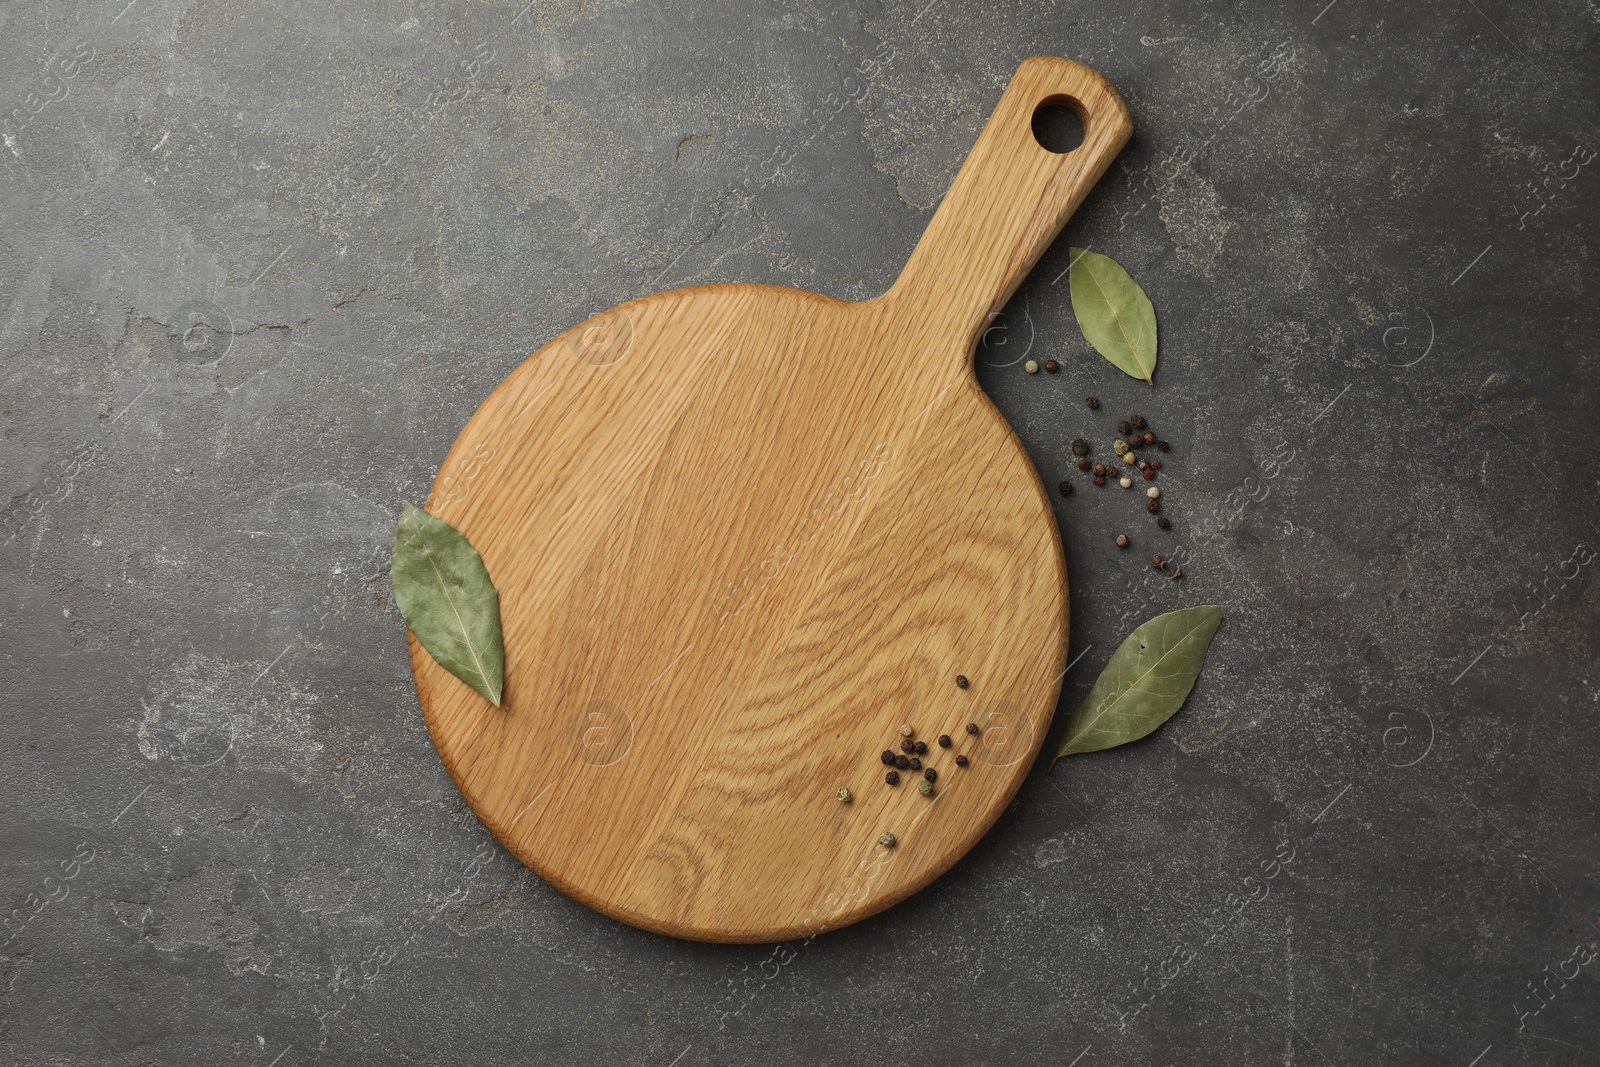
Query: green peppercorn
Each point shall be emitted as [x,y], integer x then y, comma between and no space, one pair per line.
[843,794]
[886,839]
[1119,446]
[925,787]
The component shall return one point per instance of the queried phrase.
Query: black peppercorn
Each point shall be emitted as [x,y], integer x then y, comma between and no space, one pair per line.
[1092,401]
[916,764]
[961,761]
[1080,447]
[908,745]
[922,749]
[892,777]
[972,728]
[1153,506]
[931,775]
[1163,446]
[1135,441]
[961,681]
[1149,437]
[944,740]
[902,762]
[1065,488]
[1099,470]
[1137,421]
[1123,426]
[1164,522]
[1051,366]
[887,758]
[1083,463]
[1122,541]
[1156,562]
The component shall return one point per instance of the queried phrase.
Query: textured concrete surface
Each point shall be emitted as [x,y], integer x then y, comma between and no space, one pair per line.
[261,260]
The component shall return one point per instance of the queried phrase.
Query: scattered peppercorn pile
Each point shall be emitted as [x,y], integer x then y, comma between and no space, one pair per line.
[1133,434]
[909,758]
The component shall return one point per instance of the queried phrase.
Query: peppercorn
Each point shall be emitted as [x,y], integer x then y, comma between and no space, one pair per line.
[902,762]
[892,777]
[1156,562]
[1099,470]
[908,745]
[1156,463]
[1080,447]
[961,761]
[1032,366]
[1153,506]
[1099,479]
[1051,366]
[1126,483]
[944,740]
[1152,492]
[886,839]
[1177,572]
[925,787]
[887,758]
[1122,541]
[843,794]
[1119,446]
[1083,463]
[1092,401]
[1149,437]
[1149,473]
[1123,426]
[1065,488]
[1164,522]
[1137,421]
[931,775]
[1135,442]
[1142,465]
[922,749]
[906,730]
[916,764]
[972,728]
[961,681]
[1162,446]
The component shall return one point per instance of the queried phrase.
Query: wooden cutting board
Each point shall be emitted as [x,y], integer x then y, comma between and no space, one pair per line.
[742,534]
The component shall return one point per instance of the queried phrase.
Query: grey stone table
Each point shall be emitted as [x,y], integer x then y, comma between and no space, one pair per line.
[262,260]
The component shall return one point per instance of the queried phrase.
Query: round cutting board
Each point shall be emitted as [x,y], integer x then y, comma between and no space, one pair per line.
[742,535]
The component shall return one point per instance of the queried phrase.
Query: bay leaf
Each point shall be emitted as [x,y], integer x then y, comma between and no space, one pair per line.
[1146,681]
[1114,314]
[444,593]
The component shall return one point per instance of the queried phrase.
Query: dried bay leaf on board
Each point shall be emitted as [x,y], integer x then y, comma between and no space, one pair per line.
[444,593]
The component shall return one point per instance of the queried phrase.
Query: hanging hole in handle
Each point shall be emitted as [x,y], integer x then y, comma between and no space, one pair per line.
[1058,124]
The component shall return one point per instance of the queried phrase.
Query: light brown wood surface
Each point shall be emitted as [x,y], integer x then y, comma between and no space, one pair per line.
[741,535]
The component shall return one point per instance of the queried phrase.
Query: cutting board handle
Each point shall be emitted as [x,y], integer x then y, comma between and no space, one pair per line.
[1009,201]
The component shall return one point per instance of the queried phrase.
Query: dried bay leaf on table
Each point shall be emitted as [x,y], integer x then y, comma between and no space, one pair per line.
[443,590]
[1113,313]
[1146,681]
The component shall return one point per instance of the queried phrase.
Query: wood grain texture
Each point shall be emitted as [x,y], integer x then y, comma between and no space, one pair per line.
[741,534]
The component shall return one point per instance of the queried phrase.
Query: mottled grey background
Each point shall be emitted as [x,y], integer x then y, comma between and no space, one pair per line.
[262,260]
